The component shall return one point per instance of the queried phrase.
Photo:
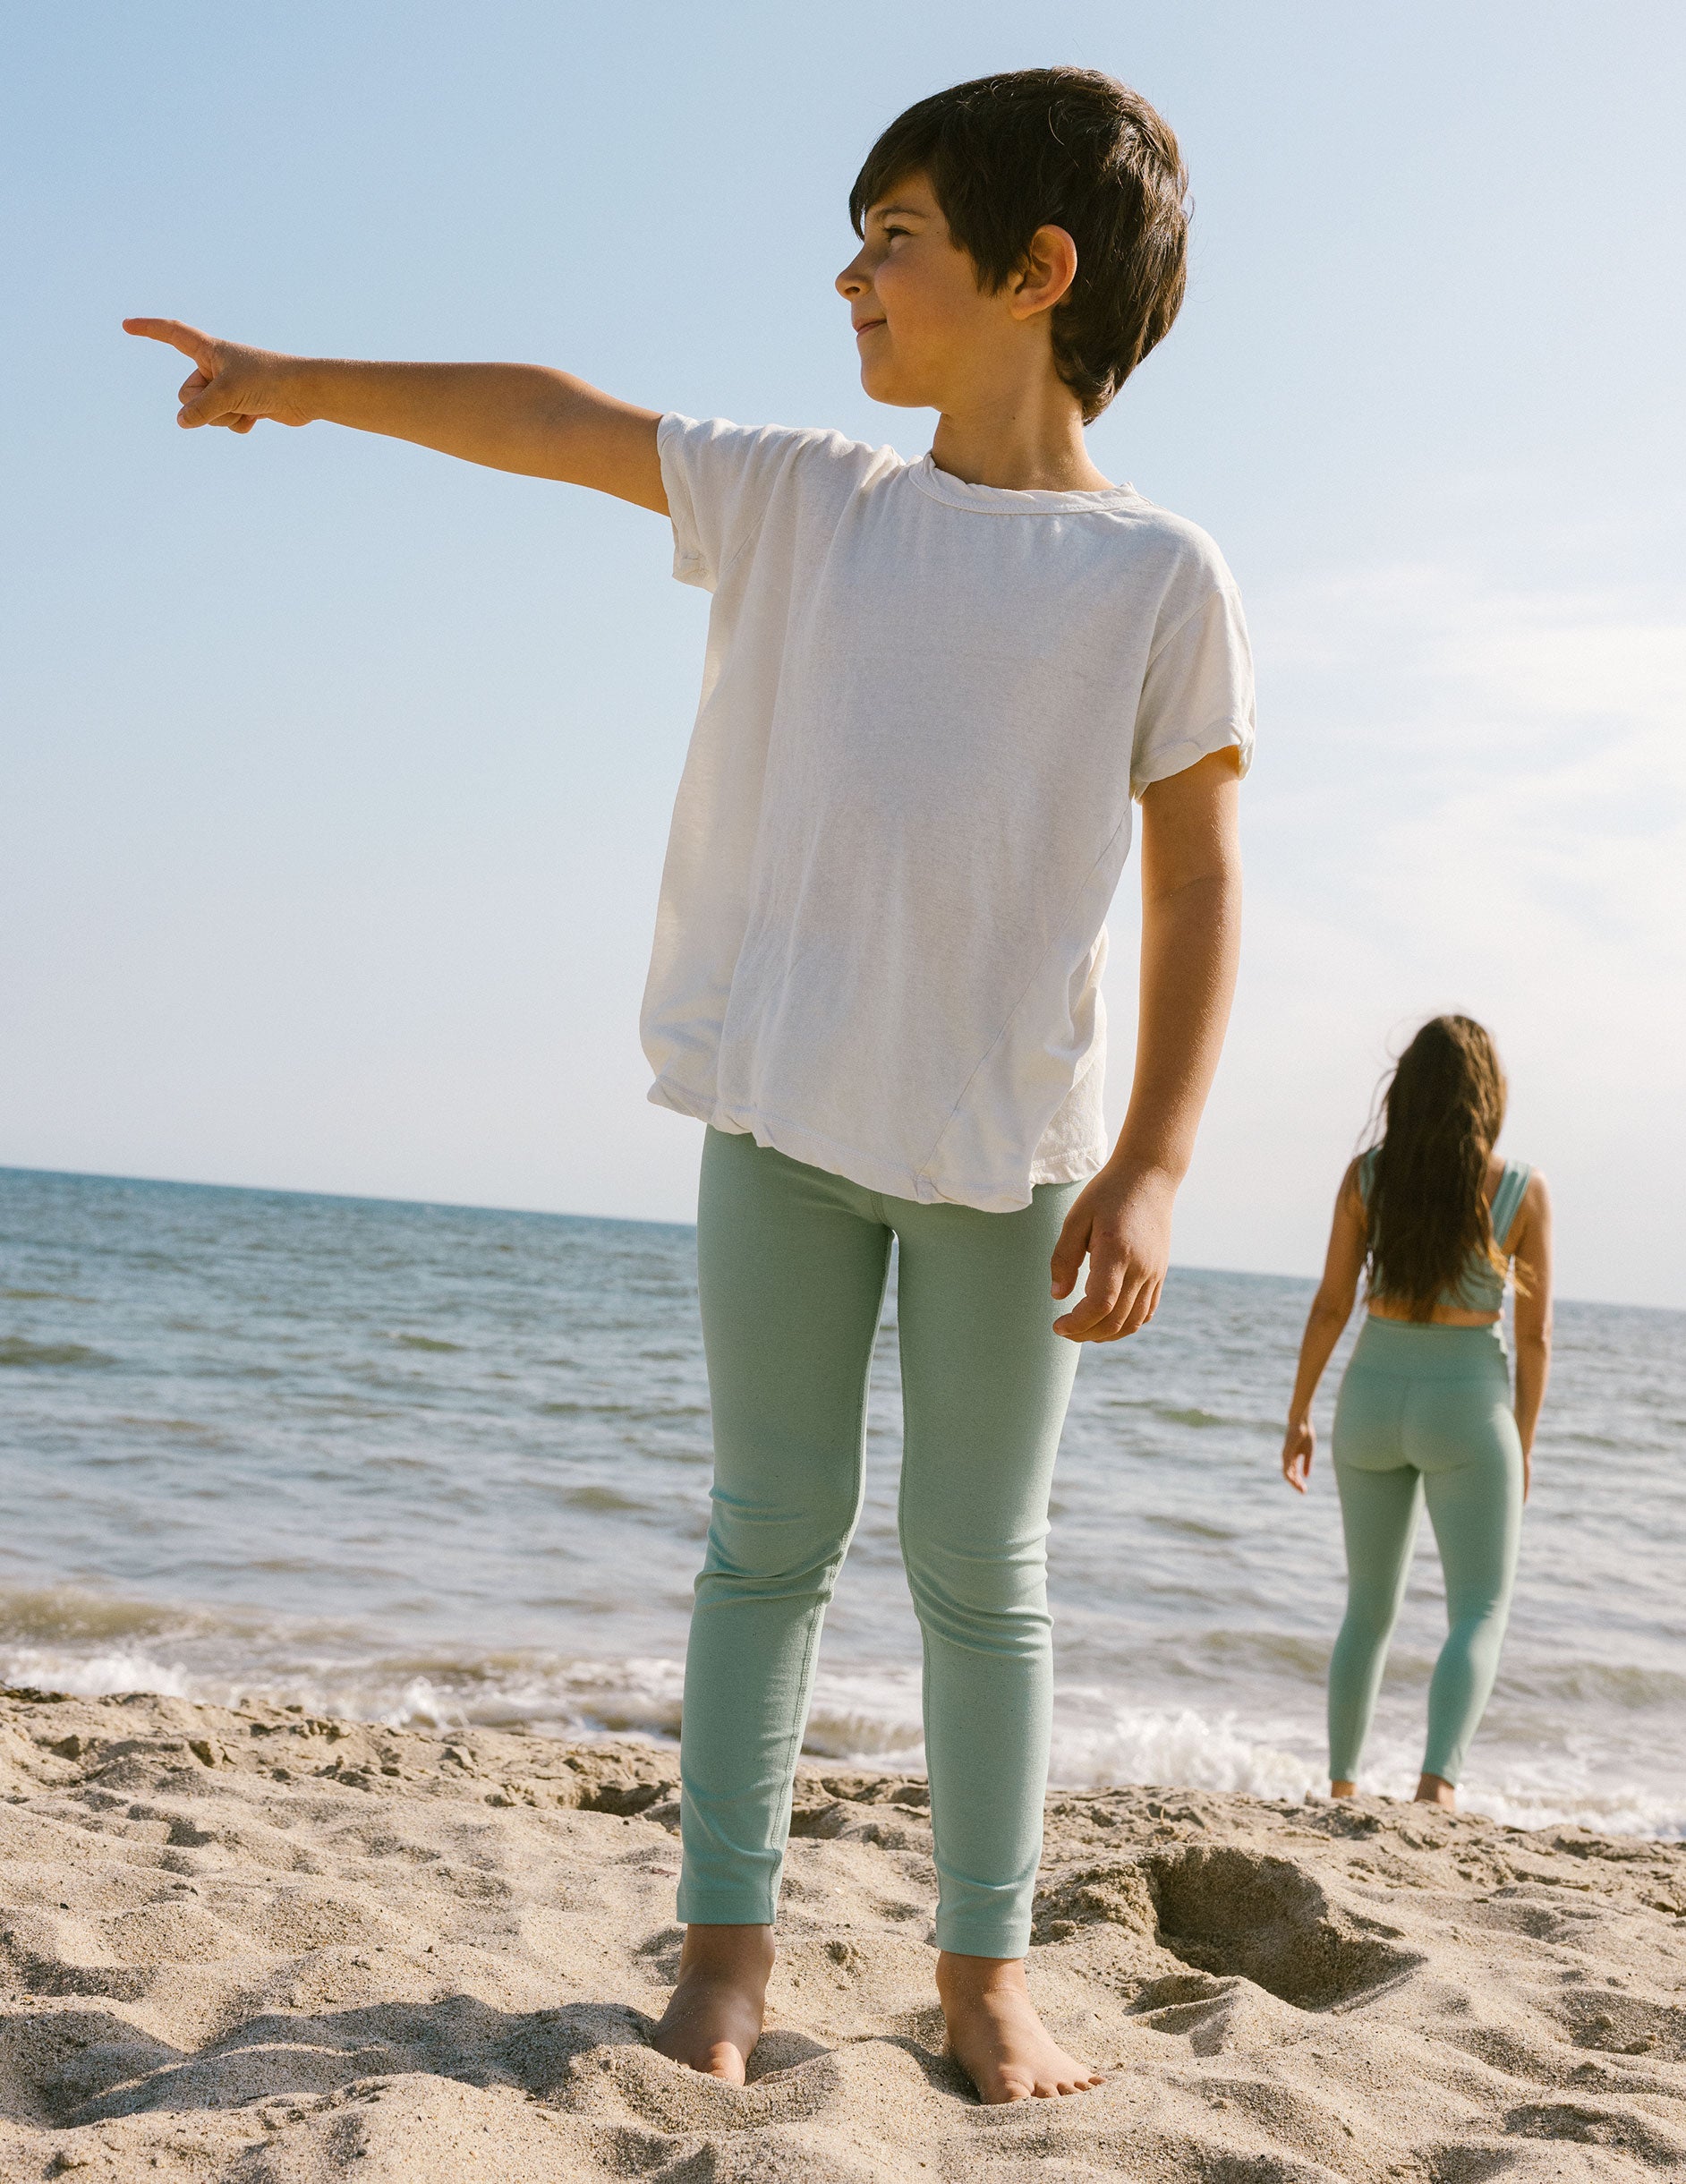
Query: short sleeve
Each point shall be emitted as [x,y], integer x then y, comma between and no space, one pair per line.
[720,479]
[1197,694]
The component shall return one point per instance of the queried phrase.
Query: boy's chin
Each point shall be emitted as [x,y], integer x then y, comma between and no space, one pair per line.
[895,392]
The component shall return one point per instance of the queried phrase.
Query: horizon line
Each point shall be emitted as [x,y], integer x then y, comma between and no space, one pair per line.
[542,1213]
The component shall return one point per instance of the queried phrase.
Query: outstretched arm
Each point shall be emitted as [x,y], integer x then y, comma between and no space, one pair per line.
[1331,1308]
[1533,1252]
[1191,936]
[519,417]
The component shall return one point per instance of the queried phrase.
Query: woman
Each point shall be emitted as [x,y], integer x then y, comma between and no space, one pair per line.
[1434,1219]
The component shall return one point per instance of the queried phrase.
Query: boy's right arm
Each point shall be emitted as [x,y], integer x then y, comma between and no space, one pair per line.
[519,417]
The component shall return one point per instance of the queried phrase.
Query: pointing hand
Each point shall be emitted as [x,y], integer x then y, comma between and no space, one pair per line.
[230,385]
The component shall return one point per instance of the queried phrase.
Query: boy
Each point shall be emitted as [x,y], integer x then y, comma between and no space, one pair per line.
[931,692]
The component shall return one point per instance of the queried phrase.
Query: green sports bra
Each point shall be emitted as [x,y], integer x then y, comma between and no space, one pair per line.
[1482,1287]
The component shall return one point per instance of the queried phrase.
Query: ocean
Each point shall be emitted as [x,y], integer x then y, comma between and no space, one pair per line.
[437,1465]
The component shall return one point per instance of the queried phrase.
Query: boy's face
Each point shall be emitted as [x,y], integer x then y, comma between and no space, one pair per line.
[924,328]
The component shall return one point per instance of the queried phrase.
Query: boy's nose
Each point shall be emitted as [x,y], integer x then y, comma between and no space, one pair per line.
[851,280]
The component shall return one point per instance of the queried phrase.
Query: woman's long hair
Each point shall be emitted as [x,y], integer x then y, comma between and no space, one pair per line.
[1427,1202]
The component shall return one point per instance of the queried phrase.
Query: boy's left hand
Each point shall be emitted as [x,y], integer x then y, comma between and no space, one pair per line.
[1122,1222]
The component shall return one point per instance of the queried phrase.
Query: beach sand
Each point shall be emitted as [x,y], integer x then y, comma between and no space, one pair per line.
[273,1948]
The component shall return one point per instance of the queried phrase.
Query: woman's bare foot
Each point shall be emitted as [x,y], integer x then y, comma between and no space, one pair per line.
[1343,1789]
[996,2036]
[714,2018]
[1434,1789]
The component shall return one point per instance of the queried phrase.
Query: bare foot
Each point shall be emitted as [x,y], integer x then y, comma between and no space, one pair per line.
[996,2036]
[714,2018]
[1434,1789]
[1338,1788]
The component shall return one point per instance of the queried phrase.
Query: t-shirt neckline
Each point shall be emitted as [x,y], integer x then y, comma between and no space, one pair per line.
[1008,501]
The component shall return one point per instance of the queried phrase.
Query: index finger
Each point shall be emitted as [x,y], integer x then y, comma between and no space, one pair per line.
[178,335]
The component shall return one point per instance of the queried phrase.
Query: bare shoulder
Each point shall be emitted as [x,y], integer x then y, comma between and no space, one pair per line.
[1531,1231]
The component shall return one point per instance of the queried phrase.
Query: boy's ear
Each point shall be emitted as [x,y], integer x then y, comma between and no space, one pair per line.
[1049,268]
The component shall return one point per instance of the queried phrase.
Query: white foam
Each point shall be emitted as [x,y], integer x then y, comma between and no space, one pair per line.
[638,1696]
[1098,1742]
[420,1706]
[869,1716]
[94,1675]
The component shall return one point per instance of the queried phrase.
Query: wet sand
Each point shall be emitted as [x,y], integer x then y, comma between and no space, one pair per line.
[273,1948]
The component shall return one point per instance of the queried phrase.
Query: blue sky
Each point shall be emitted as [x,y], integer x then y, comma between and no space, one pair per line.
[336,775]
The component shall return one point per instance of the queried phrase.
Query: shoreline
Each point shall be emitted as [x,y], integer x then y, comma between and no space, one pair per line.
[273,1947]
[864,1717]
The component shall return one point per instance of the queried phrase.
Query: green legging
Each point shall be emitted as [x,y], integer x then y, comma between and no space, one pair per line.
[792,1263]
[1425,1408]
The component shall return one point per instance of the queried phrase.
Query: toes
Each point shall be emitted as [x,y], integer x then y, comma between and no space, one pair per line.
[722,2060]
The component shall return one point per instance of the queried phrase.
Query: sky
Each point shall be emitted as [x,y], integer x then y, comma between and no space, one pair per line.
[335,776]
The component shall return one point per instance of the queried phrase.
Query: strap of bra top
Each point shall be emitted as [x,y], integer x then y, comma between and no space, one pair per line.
[1507,1198]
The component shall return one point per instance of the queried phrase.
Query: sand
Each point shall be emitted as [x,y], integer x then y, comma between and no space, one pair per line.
[263,1947]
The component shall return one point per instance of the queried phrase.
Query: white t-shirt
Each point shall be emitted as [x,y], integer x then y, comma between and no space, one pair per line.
[925,707]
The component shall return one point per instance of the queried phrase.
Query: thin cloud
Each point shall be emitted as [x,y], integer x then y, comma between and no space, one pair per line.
[1471,796]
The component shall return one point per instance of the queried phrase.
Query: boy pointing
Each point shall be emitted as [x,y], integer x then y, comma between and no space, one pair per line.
[934,691]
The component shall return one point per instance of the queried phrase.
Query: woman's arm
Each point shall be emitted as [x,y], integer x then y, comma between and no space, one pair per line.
[519,417]
[1331,1308]
[1191,934]
[1533,1253]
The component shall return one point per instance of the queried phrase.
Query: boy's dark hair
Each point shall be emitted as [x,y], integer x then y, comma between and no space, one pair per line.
[1063,148]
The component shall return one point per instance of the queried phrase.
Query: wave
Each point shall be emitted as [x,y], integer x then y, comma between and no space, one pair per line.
[1098,1742]
[1189,1527]
[94,1675]
[609,1499]
[867,1716]
[1290,1652]
[69,1616]
[24,1356]
[863,1715]
[178,1428]
[1597,1684]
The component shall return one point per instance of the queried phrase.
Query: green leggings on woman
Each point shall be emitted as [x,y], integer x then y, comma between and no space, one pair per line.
[792,1265]
[1425,1414]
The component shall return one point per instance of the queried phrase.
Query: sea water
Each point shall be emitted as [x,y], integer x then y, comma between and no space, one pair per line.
[438,1465]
